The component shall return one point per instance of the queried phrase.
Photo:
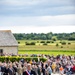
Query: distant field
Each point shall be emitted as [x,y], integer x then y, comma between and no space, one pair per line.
[57,52]
[50,48]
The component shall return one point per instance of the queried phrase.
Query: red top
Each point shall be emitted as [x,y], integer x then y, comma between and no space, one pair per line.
[73,68]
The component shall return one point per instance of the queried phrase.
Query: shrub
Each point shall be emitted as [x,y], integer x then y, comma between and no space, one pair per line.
[54,38]
[43,59]
[27,43]
[32,43]
[63,43]
[37,41]
[60,42]
[69,43]
[45,44]
[61,46]
[18,42]
[52,41]
[14,58]
[57,44]
[48,42]
[42,42]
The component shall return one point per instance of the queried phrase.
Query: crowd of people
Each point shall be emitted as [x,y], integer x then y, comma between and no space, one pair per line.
[60,64]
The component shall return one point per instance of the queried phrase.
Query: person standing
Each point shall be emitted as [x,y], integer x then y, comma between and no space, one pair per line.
[29,71]
[73,68]
[61,70]
[24,66]
[15,68]
[0,68]
[19,69]
[6,70]
[39,69]
[54,67]
[49,70]
[11,70]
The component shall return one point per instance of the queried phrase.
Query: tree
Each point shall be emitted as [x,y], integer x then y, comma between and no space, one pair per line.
[49,36]
[54,38]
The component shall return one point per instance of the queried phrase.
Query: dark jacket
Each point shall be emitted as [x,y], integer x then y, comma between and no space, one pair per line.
[2,69]
[15,70]
[43,71]
[11,72]
[6,71]
[31,73]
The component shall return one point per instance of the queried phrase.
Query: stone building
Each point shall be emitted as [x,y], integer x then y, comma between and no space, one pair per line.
[8,43]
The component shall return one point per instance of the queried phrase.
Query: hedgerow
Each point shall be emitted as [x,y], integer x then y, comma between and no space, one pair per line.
[15,58]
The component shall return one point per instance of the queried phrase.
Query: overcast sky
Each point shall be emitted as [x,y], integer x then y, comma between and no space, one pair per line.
[37,16]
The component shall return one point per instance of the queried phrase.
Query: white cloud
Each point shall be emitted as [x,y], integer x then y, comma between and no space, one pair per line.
[33,29]
[39,24]
[38,20]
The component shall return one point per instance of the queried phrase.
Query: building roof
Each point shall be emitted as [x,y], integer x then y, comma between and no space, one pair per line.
[7,38]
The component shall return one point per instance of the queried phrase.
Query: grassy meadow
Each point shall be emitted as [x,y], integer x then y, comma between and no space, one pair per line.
[46,47]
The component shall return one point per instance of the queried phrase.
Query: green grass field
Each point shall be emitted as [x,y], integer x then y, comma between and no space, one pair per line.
[50,48]
[47,52]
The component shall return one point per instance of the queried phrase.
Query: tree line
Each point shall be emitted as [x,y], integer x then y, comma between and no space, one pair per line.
[45,36]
